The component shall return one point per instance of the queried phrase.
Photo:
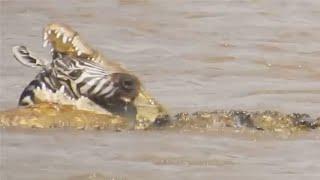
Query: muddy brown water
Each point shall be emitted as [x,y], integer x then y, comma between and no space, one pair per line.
[192,55]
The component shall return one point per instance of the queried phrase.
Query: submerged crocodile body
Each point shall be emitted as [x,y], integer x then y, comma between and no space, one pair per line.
[56,109]
[46,115]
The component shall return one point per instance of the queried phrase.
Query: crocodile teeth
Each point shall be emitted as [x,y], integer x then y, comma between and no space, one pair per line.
[51,51]
[45,43]
[151,102]
[58,34]
[79,53]
[43,86]
[69,39]
[61,89]
[49,31]
[64,39]
[45,36]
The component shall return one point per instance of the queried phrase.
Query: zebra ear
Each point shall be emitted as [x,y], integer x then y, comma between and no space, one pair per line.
[25,57]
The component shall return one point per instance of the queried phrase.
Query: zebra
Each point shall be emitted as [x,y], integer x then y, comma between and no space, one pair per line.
[79,77]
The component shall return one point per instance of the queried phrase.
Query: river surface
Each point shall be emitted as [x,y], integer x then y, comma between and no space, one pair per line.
[192,55]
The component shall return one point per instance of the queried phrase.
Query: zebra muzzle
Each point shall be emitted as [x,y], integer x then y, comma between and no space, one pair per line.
[128,86]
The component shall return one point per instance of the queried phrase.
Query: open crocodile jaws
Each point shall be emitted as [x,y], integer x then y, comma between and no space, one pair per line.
[65,40]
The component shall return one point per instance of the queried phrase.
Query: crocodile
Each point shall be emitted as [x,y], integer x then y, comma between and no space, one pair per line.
[55,109]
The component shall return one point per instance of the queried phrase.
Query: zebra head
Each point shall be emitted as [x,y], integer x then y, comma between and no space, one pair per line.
[113,91]
[79,77]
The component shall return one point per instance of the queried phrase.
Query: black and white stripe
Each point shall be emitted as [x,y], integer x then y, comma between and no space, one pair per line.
[80,77]
[83,77]
[46,81]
